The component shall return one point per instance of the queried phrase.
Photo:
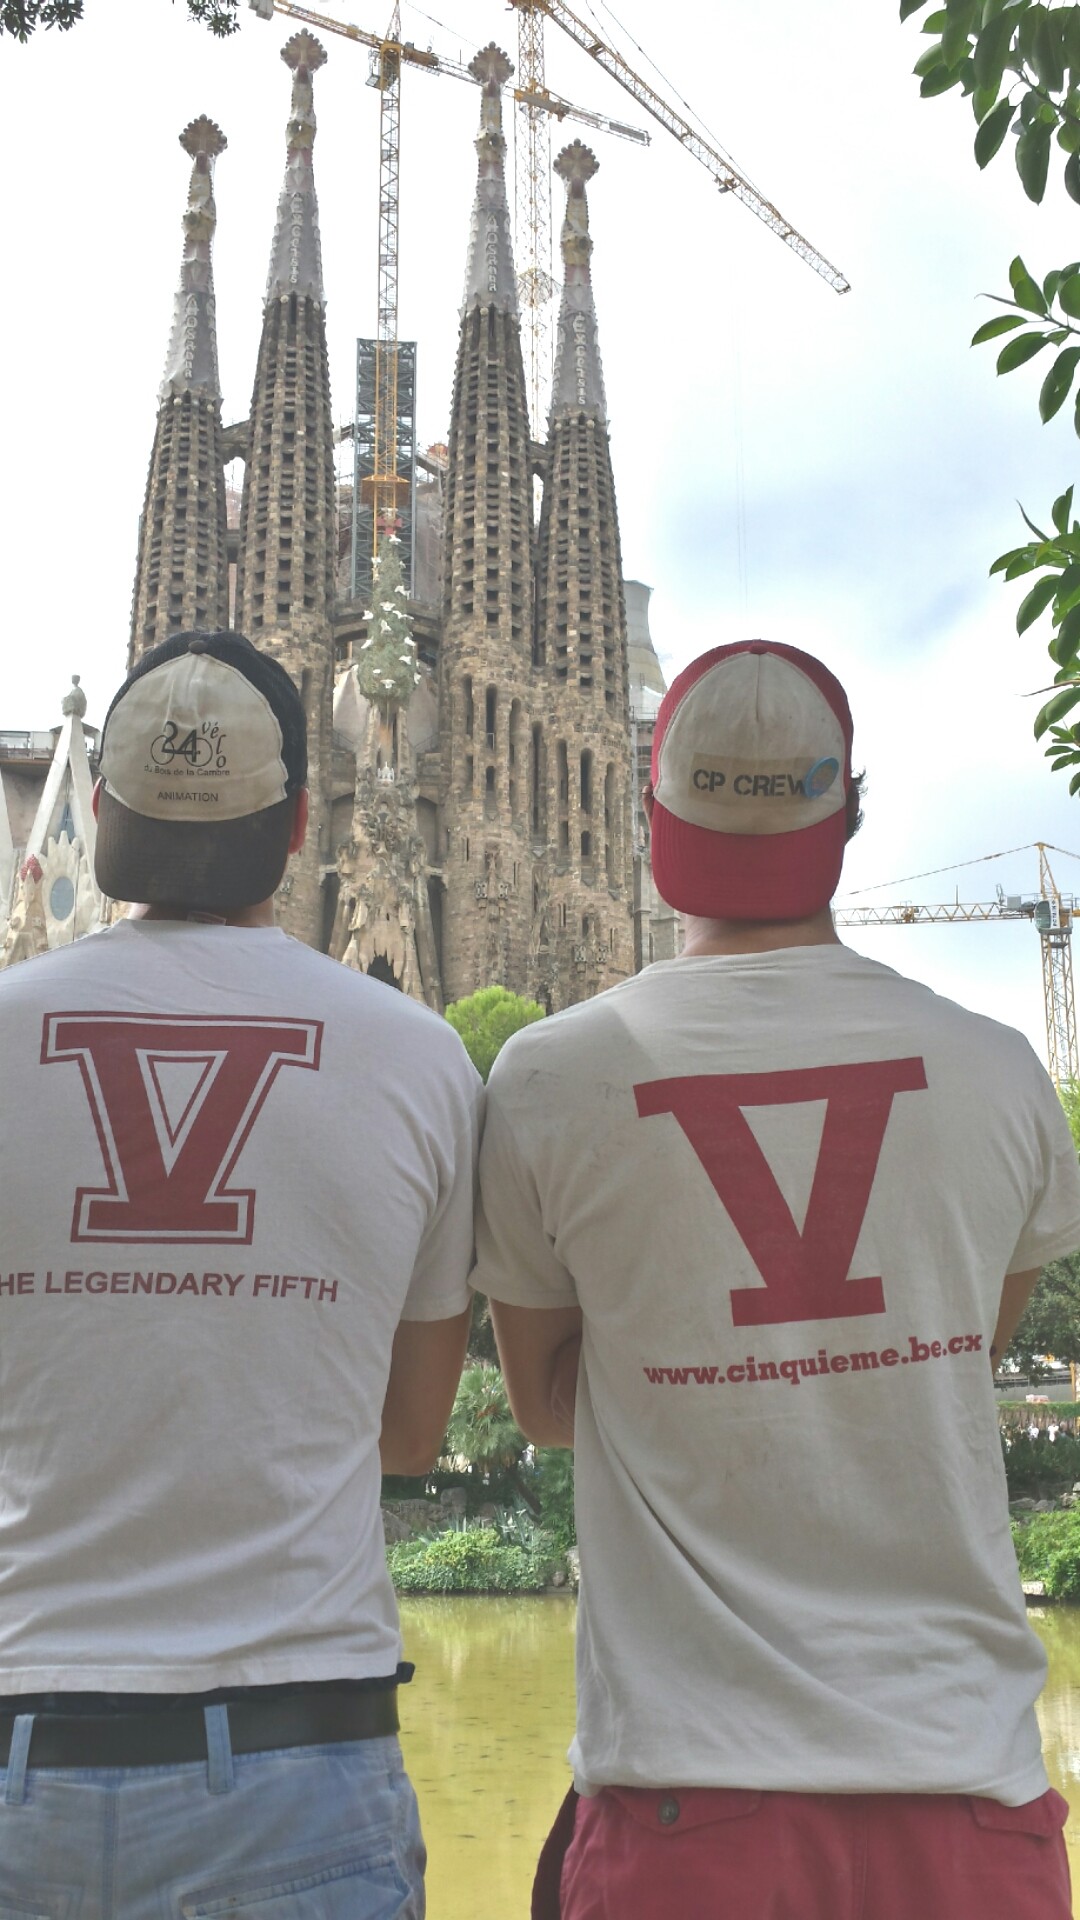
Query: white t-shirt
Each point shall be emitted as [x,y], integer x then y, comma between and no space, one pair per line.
[785,1189]
[228,1169]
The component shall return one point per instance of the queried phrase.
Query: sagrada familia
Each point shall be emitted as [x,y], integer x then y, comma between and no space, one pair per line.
[478,722]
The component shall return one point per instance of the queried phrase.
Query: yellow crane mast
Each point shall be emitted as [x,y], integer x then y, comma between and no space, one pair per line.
[1049,911]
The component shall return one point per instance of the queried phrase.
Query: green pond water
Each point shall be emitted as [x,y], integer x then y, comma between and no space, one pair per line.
[486,1725]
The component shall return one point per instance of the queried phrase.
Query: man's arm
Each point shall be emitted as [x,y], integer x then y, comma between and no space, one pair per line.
[1015,1294]
[425,1368]
[539,1348]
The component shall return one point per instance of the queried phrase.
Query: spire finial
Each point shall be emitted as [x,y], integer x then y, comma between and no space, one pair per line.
[576,164]
[304,55]
[296,254]
[191,362]
[579,382]
[489,275]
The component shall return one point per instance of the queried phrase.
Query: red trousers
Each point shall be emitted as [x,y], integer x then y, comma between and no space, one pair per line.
[696,1853]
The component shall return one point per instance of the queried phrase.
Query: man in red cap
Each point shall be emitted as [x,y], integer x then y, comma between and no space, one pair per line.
[753,1224]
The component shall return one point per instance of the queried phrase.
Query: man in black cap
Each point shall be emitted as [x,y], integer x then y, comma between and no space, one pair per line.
[237,1187]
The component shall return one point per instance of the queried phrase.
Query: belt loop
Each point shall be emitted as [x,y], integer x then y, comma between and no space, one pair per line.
[15,1789]
[220,1777]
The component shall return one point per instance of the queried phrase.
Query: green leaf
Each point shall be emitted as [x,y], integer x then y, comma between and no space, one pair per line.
[1032,158]
[1050,286]
[1068,592]
[1053,394]
[1024,347]
[936,22]
[1006,559]
[1026,31]
[1046,54]
[1055,709]
[954,41]
[1068,295]
[908,7]
[1004,323]
[927,62]
[939,80]
[1062,507]
[1025,291]
[1065,641]
[1036,602]
[1019,566]
[1037,531]
[1074,785]
[992,48]
[1072,176]
[992,132]
[1060,335]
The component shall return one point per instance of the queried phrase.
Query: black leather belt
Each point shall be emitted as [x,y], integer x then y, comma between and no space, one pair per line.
[178,1734]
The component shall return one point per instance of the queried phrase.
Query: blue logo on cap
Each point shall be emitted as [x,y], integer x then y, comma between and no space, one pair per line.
[820,778]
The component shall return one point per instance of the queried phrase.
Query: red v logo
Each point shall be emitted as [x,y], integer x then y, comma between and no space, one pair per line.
[174,1098]
[805,1275]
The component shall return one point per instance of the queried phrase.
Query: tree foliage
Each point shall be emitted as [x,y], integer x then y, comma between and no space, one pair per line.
[1051,1320]
[20,18]
[1018,61]
[484,1433]
[485,1021]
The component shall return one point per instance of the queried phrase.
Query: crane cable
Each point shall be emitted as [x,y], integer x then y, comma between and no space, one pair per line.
[979,860]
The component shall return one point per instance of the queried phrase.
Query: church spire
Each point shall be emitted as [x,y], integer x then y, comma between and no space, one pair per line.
[296,253]
[489,273]
[182,575]
[581,640]
[288,531]
[486,645]
[579,379]
[191,362]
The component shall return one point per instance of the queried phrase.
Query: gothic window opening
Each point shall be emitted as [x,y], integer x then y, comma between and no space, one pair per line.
[489,718]
[489,793]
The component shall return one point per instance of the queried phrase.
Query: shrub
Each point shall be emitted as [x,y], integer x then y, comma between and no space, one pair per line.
[1042,1465]
[555,1482]
[1048,1549]
[472,1560]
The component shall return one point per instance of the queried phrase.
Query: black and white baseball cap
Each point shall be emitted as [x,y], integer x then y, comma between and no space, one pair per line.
[202,751]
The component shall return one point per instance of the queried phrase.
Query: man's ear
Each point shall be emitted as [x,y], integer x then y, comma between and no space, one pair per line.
[648,800]
[300,821]
[95,797]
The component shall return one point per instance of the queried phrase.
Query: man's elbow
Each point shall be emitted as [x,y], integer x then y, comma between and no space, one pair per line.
[407,1456]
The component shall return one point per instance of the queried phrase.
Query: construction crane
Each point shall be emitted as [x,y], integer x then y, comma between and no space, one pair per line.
[723,172]
[1050,911]
[385,487]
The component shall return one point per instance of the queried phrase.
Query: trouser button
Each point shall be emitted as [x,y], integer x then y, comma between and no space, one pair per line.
[668,1810]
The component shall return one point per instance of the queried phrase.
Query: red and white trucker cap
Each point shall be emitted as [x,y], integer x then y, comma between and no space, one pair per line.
[751,769]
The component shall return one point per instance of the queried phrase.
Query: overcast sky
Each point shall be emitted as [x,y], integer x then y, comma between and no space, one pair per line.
[833,472]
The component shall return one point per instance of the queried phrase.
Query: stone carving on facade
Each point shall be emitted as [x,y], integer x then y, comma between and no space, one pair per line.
[27,933]
[383,880]
[75,701]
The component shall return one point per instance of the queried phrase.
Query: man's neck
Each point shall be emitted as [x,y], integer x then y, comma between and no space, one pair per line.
[757,936]
[260,915]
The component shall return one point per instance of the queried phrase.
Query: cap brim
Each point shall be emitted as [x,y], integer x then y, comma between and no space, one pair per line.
[738,876]
[234,863]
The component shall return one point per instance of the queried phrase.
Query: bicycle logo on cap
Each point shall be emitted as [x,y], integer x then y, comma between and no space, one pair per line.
[200,747]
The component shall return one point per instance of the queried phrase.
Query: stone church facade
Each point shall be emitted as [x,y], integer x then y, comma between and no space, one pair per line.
[473,810]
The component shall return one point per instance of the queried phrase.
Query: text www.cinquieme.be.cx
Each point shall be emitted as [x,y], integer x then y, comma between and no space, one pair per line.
[753,1372]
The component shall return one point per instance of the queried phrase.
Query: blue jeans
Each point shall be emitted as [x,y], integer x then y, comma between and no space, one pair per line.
[308,1833]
